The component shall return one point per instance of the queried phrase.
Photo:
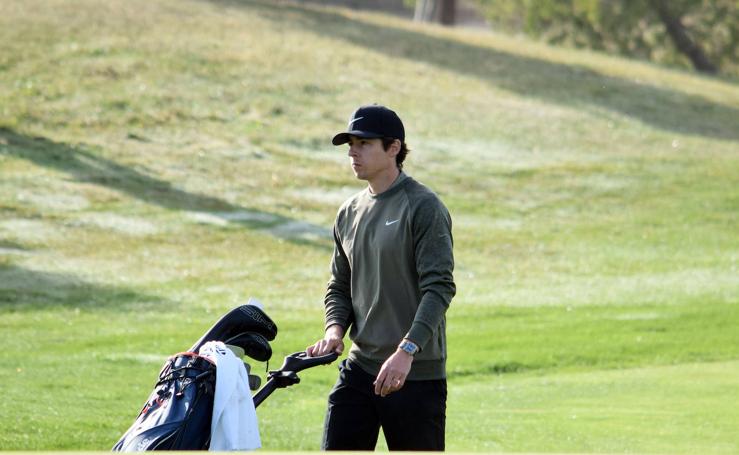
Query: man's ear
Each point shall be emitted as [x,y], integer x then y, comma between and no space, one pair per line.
[394,148]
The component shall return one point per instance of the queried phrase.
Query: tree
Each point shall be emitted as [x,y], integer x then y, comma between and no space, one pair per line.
[442,11]
[681,37]
[700,33]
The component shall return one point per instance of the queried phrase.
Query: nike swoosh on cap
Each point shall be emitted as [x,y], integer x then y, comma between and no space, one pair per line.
[354,120]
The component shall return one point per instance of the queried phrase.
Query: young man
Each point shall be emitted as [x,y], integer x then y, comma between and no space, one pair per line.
[391,284]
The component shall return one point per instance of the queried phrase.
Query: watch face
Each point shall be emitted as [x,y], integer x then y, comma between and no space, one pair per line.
[410,348]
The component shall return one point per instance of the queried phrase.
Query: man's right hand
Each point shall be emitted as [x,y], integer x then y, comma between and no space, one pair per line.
[333,341]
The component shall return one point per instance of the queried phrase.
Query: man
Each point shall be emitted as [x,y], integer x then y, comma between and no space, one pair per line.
[391,284]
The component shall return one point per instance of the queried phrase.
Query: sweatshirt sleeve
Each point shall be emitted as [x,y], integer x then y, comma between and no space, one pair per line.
[433,243]
[338,301]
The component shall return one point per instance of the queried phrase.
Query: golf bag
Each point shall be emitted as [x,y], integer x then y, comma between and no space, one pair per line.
[178,412]
[177,415]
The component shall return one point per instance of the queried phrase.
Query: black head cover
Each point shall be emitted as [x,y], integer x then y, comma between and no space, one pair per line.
[254,345]
[242,319]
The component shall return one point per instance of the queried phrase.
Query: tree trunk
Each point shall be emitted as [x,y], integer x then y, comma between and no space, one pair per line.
[448,12]
[680,37]
[426,11]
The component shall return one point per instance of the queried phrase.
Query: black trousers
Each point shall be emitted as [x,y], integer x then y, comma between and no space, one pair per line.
[412,418]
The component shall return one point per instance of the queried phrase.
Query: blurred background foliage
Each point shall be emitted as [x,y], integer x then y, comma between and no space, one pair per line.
[699,34]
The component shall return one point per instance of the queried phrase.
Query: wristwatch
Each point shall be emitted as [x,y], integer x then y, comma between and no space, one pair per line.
[408,347]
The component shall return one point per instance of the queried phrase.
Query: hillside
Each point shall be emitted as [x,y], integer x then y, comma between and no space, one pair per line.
[163,161]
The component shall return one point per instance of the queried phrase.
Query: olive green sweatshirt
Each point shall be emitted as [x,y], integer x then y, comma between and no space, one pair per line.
[391,276]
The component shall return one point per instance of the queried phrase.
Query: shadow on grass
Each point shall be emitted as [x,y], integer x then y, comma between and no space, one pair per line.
[567,85]
[25,289]
[85,166]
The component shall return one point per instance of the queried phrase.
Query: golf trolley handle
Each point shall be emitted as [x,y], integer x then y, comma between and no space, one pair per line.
[287,375]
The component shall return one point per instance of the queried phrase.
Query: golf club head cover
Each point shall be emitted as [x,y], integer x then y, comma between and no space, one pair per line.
[254,345]
[244,318]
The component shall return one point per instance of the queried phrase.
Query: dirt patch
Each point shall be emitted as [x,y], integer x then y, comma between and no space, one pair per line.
[300,230]
[225,218]
[124,224]
[32,231]
[325,196]
[54,201]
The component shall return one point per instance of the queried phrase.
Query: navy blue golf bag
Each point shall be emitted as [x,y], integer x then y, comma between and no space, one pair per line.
[178,412]
[177,415]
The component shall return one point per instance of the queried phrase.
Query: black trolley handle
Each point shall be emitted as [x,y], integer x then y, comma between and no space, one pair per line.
[287,375]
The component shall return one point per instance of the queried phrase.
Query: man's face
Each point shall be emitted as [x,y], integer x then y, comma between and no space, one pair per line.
[369,159]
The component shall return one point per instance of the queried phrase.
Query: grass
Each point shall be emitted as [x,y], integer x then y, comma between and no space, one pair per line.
[161,162]
[602,411]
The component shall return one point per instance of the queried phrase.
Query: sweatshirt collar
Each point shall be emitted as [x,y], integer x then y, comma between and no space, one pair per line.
[397,184]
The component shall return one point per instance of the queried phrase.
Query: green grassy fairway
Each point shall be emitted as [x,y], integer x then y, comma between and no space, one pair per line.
[673,409]
[160,162]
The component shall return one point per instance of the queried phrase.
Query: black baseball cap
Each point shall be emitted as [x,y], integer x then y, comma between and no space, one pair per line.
[371,122]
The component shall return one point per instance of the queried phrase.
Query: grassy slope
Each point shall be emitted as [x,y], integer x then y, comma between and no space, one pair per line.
[163,161]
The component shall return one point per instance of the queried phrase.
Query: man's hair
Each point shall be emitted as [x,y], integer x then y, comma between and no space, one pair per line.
[400,157]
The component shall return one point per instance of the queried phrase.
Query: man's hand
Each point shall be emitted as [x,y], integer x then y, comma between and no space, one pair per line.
[393,373]
[333,341]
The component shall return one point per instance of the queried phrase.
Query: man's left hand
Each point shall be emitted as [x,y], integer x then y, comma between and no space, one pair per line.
[393,373]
